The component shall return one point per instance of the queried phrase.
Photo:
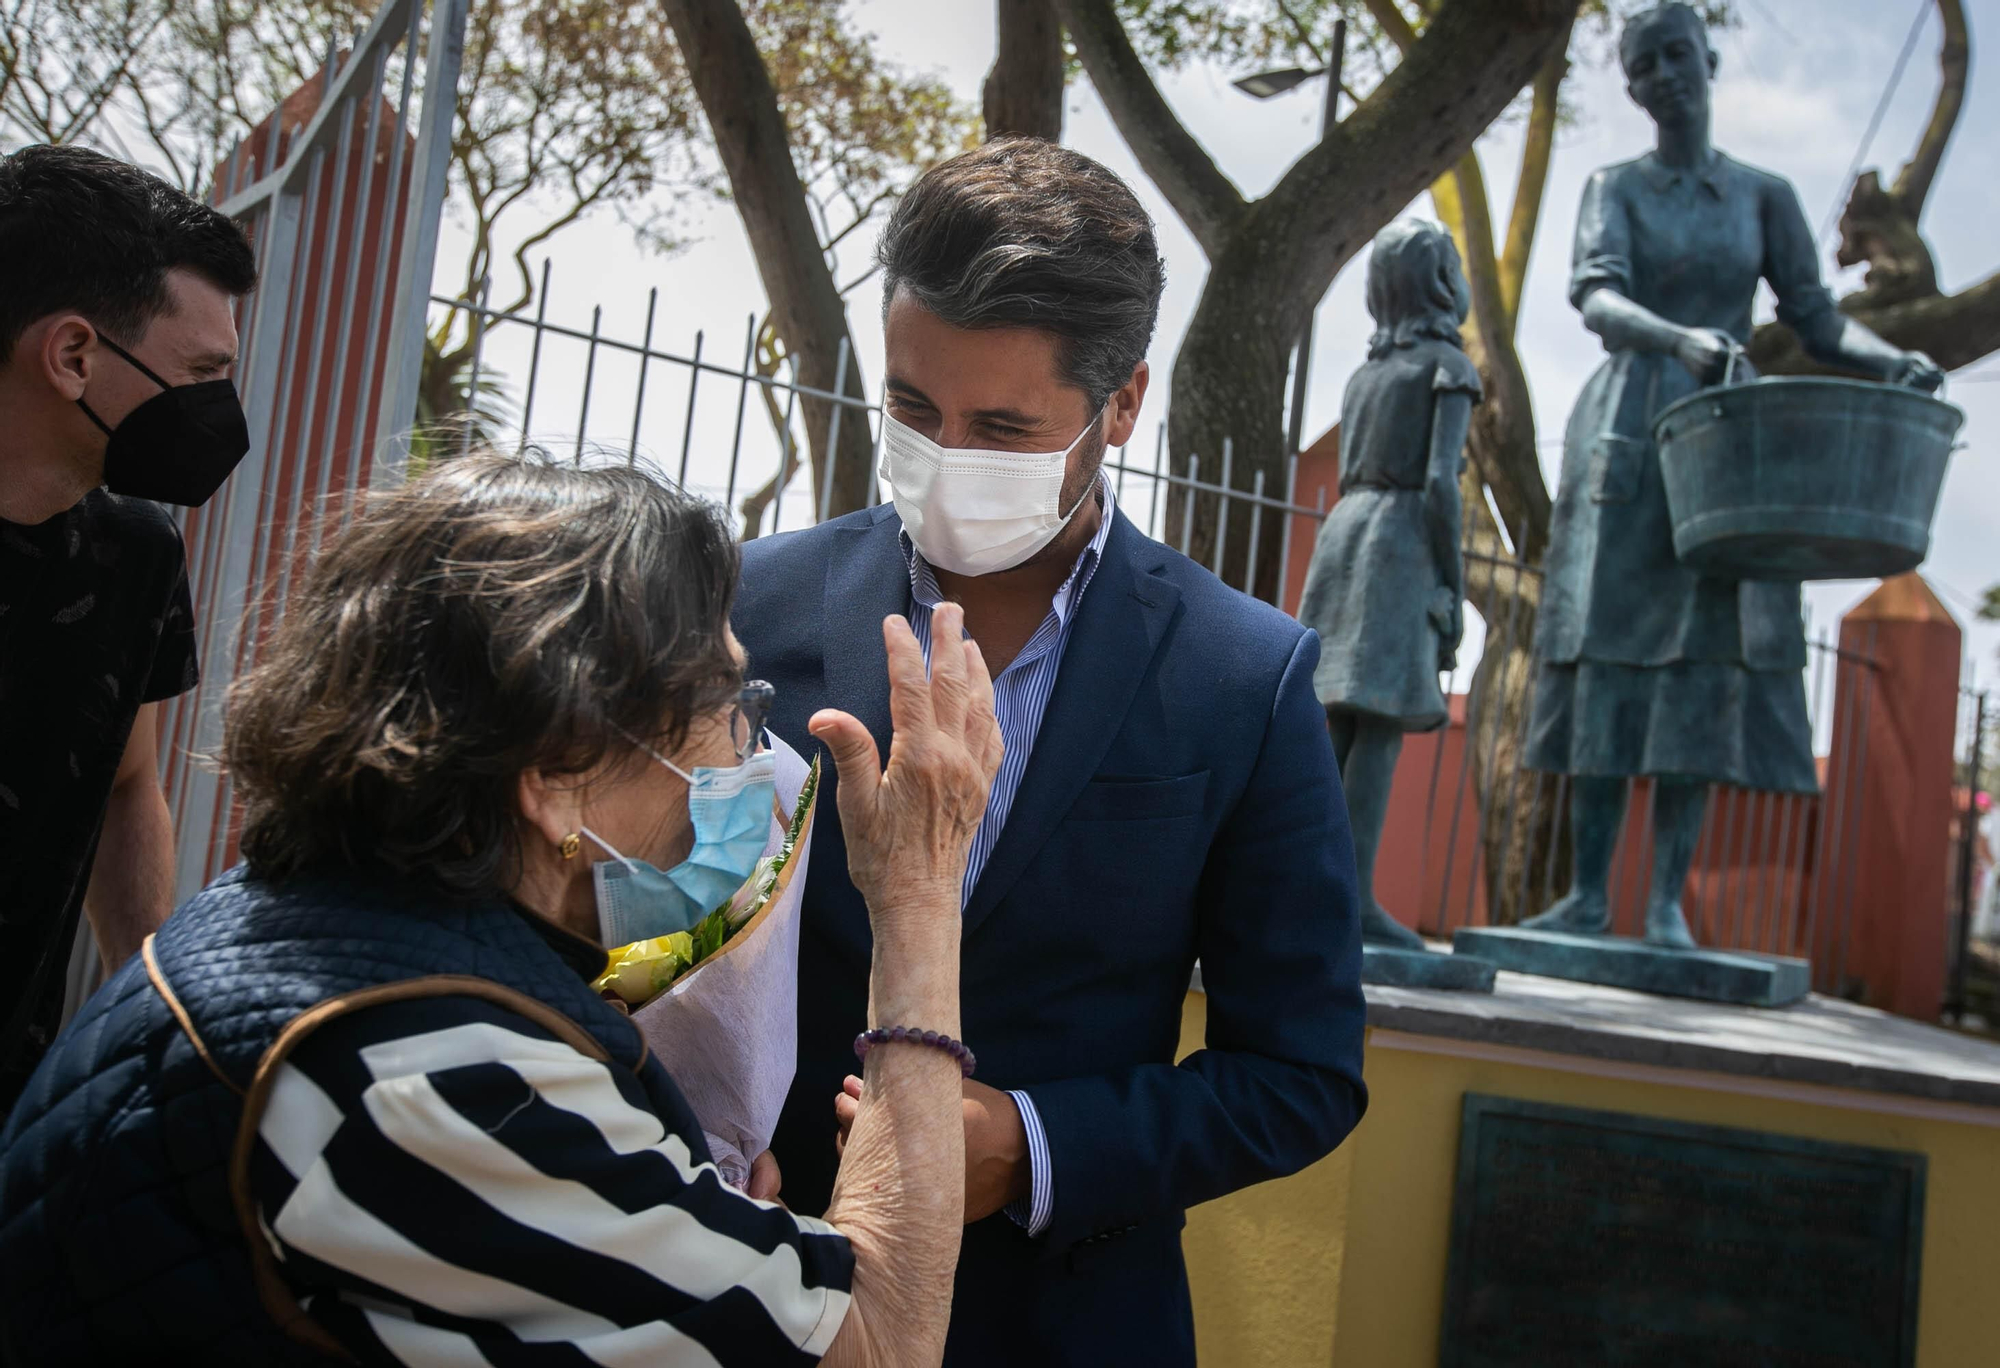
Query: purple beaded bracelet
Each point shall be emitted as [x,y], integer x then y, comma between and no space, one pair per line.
[868,1040]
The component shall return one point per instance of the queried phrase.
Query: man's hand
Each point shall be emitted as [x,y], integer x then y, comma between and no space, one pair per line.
[996,1146]
[764,1178]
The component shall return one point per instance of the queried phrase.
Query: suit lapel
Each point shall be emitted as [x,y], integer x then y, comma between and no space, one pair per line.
[1116,633]
[867,580]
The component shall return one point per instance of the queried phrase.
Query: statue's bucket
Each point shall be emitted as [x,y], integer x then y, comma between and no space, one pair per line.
[1804,479]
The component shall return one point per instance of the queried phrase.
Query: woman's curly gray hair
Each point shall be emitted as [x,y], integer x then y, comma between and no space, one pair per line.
[495,615]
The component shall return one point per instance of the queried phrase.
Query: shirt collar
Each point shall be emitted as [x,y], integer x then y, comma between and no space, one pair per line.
[923,579]
[1662,177]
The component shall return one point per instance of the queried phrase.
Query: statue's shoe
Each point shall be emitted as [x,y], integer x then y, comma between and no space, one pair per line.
[1379,928]
[1576,914]
[1667,927]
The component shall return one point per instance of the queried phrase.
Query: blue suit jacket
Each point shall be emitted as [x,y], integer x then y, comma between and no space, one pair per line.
[1182,803]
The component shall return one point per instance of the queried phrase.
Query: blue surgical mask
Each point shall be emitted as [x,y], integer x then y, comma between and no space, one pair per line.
[732,809]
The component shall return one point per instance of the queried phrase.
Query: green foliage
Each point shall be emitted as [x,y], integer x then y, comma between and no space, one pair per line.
[1989,604]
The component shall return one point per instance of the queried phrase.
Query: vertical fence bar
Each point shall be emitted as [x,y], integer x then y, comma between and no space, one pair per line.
[1811,819]
[417,261]
[787,460]
[1285,527]
[590,379]
[1187,504]
[344,338]
[1968,846]
[742,399]
[1615,886]
[1222,502]
[395,212]
[833,431]
[1474,698]
[1159,469]
[535,352]
[478,358]
[1560,804]
[1826,846]
[687,427]
[645,357]
[1855,806]
[1485,790]
[306,505]
[1256,529]
[1760,902]
[1746,874]
[1698,869]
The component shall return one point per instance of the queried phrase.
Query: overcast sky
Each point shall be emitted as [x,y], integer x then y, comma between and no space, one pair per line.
[1798,83]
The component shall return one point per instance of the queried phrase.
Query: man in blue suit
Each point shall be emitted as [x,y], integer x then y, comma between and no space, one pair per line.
[1169,793]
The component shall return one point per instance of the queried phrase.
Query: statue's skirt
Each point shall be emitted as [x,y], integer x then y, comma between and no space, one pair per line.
[1712,721]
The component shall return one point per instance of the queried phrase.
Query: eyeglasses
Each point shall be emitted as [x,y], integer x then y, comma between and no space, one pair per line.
[746,718]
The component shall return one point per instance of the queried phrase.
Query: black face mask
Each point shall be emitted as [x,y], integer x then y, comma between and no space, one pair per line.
[177,447]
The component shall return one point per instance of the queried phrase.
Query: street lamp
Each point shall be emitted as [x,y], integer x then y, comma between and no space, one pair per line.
[1265,84]
[1262,86]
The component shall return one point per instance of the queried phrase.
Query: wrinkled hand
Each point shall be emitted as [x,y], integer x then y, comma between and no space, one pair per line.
[1706,352]
[910,826]
[1919,372]
[996,1145]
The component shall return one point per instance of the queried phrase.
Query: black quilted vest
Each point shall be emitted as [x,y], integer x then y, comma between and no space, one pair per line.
[120,1238]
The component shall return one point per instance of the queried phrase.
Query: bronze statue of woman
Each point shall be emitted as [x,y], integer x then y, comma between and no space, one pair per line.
[1645,667]
[1386,587]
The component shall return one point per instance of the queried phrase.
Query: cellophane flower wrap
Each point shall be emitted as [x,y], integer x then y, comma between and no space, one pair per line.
[719,1003]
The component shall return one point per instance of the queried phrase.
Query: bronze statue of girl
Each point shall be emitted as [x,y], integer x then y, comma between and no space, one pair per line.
[1386,586]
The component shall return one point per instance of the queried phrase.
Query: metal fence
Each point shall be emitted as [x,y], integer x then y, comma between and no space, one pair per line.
[1772,872]
[692,417]
[1971,861]
[340,191]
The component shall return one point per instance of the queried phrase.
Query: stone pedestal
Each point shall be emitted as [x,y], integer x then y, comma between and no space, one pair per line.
[1731,976]
[1385,964]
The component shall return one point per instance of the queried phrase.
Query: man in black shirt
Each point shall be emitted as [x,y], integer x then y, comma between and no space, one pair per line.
[117,338]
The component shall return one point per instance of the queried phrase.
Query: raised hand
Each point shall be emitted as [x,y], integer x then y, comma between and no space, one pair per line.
[910,826]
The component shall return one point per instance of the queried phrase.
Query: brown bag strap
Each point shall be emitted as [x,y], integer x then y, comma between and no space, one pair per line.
[276,1294]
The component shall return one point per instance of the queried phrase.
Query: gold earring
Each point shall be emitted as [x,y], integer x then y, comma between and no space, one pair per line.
[570,845]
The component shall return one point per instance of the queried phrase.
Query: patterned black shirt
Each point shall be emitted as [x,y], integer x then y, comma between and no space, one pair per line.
[94,621]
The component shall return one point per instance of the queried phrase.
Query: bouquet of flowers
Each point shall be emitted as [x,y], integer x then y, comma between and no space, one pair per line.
[719,1003]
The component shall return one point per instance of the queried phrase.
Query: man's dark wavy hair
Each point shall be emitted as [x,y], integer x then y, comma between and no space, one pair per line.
[495,615]
[83,231]
[1022,233]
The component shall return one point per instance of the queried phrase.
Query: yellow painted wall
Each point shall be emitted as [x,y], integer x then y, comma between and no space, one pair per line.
[1268,1266]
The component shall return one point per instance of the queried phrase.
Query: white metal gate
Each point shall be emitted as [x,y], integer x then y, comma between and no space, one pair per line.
[341,191]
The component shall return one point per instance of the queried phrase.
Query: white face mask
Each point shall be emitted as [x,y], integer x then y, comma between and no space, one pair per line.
[972,511]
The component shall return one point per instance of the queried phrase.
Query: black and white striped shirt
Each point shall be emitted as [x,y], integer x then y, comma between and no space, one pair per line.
[445,1182]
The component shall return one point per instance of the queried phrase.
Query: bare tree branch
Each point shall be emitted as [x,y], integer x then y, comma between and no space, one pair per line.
[1537,150]
[1205,199]
[1913,183]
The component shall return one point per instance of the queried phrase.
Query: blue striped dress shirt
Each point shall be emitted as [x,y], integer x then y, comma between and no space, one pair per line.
[1020,697]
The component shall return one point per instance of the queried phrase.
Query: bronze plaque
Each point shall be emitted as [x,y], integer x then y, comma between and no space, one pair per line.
[1602,1238]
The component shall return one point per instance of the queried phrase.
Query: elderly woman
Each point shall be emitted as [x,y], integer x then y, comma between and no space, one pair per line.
[356,1100]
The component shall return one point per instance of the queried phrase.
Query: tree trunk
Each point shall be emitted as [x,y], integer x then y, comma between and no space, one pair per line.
[1523,817]
[750,138]
[1024,90]
[1228,396]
